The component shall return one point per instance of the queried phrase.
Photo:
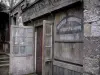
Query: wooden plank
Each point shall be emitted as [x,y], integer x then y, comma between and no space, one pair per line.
[63,71]
[68,66]
[3,65]
[68,41]
[47,48]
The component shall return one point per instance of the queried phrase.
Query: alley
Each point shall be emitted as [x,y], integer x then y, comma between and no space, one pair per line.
[4,40]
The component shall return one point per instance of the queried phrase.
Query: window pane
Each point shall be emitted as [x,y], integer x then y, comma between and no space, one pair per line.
[29,50]
[29,33]
[21,32]
[48,29]
[21,40]
[28,41]
[22,50]
[15,50]
[48,41]
[15,40]
[48,52]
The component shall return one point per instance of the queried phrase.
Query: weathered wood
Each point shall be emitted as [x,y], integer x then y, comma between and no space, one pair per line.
[68,66]
[21,59]
[47,48]
[45,6]
[68,40]
[63,71]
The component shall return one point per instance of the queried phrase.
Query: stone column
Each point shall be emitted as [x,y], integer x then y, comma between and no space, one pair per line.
[91,62]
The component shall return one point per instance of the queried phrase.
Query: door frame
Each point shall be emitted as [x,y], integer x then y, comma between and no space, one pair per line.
[36,45]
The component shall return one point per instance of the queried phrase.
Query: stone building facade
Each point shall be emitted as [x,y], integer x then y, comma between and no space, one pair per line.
[65,37]
[91,37]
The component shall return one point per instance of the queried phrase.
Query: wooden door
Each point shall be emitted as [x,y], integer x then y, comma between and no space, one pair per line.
[39,50]
[22,53]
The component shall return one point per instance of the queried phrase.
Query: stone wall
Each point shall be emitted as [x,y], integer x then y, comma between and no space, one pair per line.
[91,62]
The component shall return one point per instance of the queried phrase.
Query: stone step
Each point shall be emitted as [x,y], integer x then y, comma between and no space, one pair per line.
[3,65]
[4,58]
[3,55]
[4,62]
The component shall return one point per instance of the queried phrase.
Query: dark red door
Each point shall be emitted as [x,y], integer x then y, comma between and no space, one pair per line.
[39,50]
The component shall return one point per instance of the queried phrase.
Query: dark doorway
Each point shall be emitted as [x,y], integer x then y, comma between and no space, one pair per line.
[39,50]
[4,39]
[4,43]
[4,31]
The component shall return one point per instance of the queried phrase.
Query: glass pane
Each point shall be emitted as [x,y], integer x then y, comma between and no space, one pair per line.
[22,50]
[15,40]
[48,41]
[48,52]
[29,32]
[21,32]
[29,50]
[15,50]
[48,29]
[21,40]
[28,41]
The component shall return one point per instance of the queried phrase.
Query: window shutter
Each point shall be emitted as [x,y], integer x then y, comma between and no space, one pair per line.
[47,47]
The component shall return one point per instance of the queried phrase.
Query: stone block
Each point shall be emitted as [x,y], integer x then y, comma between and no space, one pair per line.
[90,15]
[91,65]
[87,30]
[95,30]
